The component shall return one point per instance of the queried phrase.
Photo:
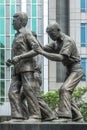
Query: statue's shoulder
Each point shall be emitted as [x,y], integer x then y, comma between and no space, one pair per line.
[68,40]
[27,32]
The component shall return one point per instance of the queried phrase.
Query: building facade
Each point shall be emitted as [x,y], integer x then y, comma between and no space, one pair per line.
[72,17]
[78,30]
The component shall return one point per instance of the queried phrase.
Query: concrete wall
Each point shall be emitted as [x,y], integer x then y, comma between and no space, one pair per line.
[62,14]
[52,65]
[58,11]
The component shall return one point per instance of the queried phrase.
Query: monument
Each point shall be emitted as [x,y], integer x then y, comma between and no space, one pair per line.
[28,109]
[64,50]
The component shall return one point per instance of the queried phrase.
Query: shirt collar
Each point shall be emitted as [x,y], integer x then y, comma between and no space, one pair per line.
[62,36]
[22,29]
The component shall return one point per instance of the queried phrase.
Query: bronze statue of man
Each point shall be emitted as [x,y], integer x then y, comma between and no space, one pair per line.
[23,78]
[64,50]
[23,70]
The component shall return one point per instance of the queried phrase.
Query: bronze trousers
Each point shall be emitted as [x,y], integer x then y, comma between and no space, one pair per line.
[25,80]
[68,107]
[26,100]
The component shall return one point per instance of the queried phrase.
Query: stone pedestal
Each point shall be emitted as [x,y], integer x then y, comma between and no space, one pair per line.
[44,126]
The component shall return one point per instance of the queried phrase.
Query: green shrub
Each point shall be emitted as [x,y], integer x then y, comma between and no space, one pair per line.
[83,109]
[52,99]
[79,92]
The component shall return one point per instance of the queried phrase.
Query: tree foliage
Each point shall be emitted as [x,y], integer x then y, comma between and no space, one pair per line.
[52,98]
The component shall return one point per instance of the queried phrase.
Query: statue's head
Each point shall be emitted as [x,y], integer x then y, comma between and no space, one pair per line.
[20,20]
[53,31]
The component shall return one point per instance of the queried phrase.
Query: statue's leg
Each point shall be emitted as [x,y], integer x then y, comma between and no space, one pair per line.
[14,97]
[46,112]
[33,105]
[24,105]
[66,91]
[76,114]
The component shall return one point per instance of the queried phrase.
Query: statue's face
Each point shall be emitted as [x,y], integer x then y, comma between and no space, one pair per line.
[54,34]
[17,23]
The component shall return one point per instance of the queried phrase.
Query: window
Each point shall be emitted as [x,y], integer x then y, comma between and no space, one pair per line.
[83,4]
[2,42]
[34,15]
[2,57]
[33,1]
[1,25]
[1,10]
[83,34]
[1,1]
[34,24]
[2,91]
[84,66]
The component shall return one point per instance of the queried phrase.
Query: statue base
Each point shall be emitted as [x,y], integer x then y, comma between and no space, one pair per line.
[44,126]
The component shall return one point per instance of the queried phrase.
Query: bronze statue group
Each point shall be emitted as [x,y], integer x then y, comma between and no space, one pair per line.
[25,99]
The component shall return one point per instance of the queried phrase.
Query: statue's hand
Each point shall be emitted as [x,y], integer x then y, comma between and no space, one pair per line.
[38,49]
[8,63]
[34,45]
[15,59]
[37,77]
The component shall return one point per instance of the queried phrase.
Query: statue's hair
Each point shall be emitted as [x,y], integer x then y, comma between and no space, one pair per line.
[52,27]
[23,17]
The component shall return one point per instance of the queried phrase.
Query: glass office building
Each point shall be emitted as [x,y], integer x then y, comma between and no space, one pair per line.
[72,17]
[7,9]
